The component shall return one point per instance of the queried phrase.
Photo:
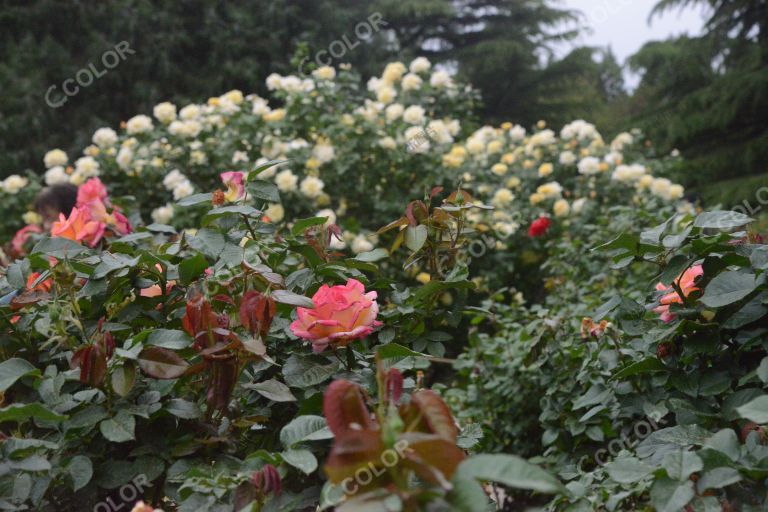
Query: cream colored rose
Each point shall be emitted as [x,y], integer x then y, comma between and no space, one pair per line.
[234,96]
[13,183]
[412,82]
[311,187]
[440,80]
[276,115]
[138,124]
[163,214]
[420,65]
[275,212]
[394,112]
[104,137]
[165,112]
[502,197]
[561,208]
[361,244]
[414,115]
[55,157]
[286,181]
[499,169]
[56,176]
[87,166]
[324,73]
[386,94]
[189,112]
[393,72]
[183,189]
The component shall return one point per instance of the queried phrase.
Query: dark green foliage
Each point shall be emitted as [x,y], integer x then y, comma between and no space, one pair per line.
[708,95]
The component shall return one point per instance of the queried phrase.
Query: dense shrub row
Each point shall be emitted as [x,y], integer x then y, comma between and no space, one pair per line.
[164,328]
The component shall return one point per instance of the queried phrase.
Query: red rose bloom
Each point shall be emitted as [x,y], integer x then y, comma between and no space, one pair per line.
[539,227]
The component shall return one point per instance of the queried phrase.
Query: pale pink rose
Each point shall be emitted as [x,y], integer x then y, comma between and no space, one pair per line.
[140,506]
[92,196]
[120,224]
[97,210]
[20,239]
[235,183]
[687,284]
[91,190]
[342,314]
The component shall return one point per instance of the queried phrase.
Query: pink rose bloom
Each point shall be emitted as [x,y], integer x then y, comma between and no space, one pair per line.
[91,190]
[79,227]
[687,284]
[120,224]
[21,237]
[140,506]
[342,314]
[235,183]
[97,210]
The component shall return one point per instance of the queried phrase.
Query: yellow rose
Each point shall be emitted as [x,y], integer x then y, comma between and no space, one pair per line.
[494,147]
[499,169]
[32,218]
[561,208]
[234,96]
[276,115]
[313,163]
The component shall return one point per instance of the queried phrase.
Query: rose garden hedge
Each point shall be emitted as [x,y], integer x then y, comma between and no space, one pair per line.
[355,297]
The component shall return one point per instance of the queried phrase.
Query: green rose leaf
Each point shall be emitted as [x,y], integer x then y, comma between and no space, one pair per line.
[721,219]
[305,428]
[13,369]
[755,410]
[509,470]
[628,470]
[303,460]
[120,428]
[273,390]
[729,287]
[80,470]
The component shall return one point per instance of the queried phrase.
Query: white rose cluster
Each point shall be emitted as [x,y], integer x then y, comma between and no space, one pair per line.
[13,183]
[176,182]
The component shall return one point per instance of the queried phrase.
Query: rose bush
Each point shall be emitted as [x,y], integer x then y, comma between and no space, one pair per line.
[260,327]
[200,388]
[655,409]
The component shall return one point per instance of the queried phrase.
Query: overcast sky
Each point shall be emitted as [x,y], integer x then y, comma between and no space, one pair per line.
[623,25]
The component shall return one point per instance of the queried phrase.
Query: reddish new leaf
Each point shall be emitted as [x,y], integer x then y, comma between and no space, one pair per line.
[434,192]
[344,408]
[432,414]
[256,312]
[162,363]
[433,458]
[221,384]
[415,212]
[357,449]
[394,386]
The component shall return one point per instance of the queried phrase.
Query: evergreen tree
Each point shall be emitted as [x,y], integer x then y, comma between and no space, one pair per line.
[708,95]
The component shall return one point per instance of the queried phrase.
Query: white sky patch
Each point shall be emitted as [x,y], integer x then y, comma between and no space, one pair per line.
[623,25]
